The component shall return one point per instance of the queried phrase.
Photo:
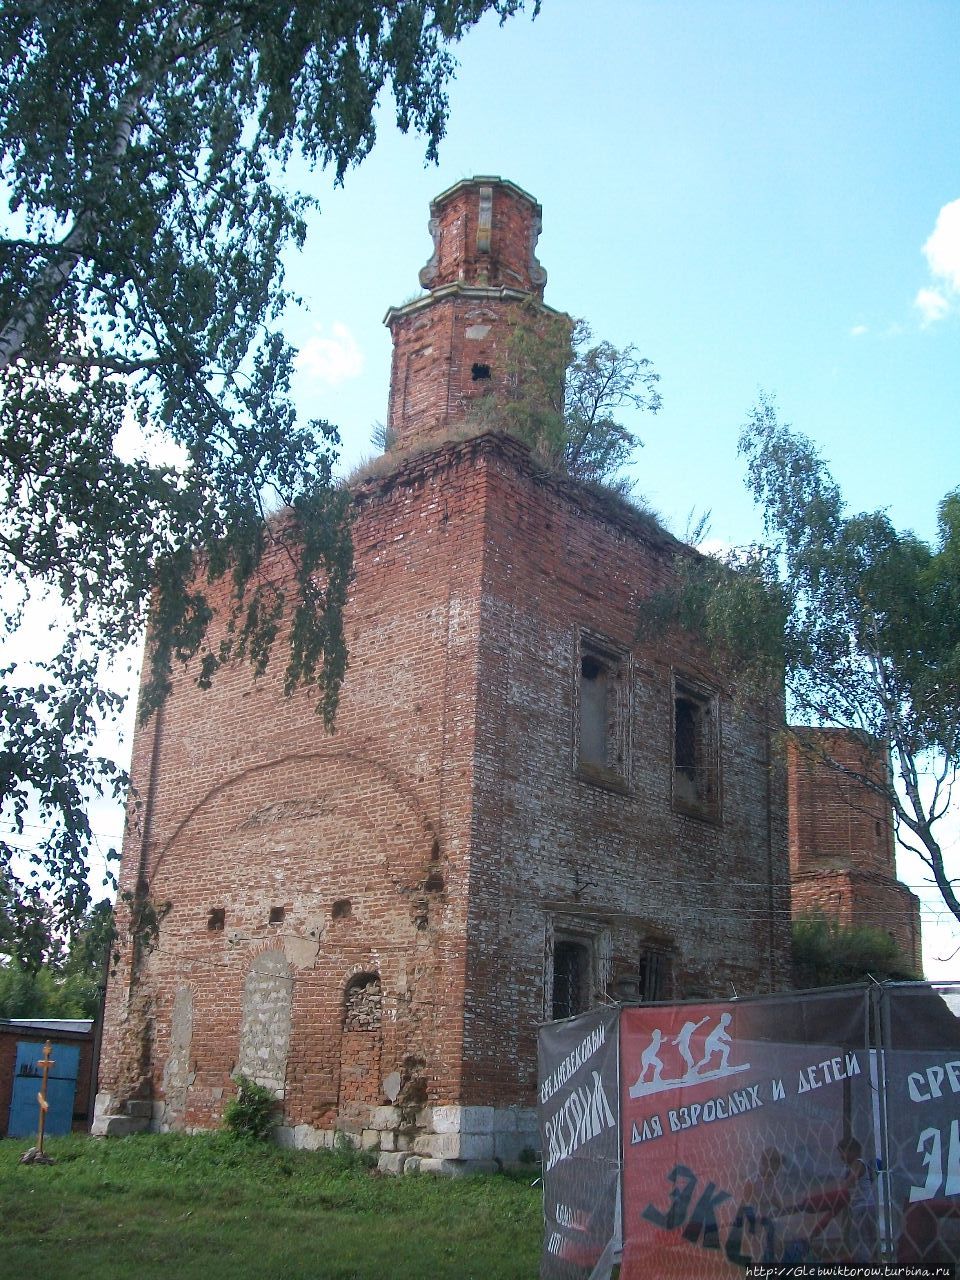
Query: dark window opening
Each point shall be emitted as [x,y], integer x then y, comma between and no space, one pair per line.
[341,909]
[685,753]
[592,668]
[602,725]
[696,755]
[594,711]
[276,915]
[653,976]
[217,918]
[480,372]
[434,882]
[571,978]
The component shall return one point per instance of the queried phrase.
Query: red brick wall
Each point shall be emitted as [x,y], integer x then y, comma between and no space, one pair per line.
[555,851]
[445,808]
[514,224]
[256,806]
[858,899]
[474,301]
[8,1061]
[836,821]
[841,837]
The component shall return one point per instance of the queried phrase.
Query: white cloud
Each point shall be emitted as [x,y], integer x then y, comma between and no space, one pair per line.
[858,331]
[932,305]
[942,252]
[332,359]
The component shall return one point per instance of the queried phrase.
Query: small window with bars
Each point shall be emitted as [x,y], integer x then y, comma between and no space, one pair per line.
[647,979]
[571,977]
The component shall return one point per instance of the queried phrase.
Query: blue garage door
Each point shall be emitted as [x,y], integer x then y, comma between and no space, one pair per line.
[61,1086]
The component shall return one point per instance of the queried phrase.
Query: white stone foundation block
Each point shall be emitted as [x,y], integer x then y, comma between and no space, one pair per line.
[384,1118]
[304,1137]
[455,1146]
[454,1119]
[118,1126]
[393,1161]
[505,1120]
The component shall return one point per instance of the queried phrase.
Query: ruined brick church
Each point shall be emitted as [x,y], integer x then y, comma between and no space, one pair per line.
[522,811]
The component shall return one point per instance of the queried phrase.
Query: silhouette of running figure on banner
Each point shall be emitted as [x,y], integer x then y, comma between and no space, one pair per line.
[682,1040]
[717,1042]
[650,1058]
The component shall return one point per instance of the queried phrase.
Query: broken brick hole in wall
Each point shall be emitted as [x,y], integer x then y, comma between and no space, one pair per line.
[363,999]
[341,909]
[217,918]
[434,882]
[480,372]
[276,915]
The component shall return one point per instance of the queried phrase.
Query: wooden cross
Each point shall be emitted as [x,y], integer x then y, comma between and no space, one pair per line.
[45,1063]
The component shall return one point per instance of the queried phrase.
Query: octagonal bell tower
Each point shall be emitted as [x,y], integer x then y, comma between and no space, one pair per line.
[447,344]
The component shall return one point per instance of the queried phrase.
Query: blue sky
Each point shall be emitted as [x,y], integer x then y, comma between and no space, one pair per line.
[744,190]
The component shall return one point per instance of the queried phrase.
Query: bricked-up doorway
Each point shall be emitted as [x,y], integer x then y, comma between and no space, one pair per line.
[361,1044]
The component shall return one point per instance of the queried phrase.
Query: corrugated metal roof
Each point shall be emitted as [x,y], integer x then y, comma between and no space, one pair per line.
[49,1024]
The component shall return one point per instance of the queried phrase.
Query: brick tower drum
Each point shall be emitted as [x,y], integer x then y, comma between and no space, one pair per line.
[448,344]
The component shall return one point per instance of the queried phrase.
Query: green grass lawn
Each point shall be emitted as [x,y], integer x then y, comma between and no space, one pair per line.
[208,1208]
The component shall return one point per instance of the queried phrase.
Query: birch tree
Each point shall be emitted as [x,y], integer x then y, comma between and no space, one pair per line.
[862,620]
[145,408]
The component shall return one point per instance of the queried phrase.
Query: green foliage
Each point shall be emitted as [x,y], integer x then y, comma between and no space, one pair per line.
[145,410]
[48,977]
[560,392]
[210,1208]
[251,1114]
[349,1156]
[861,620]
[92,942]
[46,994]
[826,953]
[27,927]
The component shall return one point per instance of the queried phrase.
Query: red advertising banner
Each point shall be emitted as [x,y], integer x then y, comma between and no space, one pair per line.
[748,1136]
